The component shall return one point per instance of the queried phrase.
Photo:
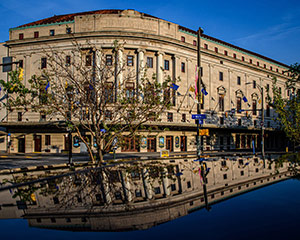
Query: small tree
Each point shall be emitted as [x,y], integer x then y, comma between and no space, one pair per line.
[95,93]
[288,109]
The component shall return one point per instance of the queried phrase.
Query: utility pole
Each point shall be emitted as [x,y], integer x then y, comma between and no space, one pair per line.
[203,167]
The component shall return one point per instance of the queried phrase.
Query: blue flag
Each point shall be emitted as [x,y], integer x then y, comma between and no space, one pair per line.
[245,99]
[174,86]
[204,92]
[48,85]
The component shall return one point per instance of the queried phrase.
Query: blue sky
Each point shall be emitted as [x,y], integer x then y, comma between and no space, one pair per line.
[270,28]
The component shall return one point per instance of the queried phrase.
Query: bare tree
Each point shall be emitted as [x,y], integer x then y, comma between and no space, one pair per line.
[94,92]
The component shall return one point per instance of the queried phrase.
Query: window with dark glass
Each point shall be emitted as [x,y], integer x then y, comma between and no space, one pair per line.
[43,63]
[88,60]
[52,32]
[68,60]
[216,49]
[48,140]
[257,64]
[225,53]
[36,34]
[183,117]
[170,117]
[271,68]
[238,104]
[221,102]
[254,103]
[21,63]
[129,91]
[243,58]
[20,116]
[234,55]
[130,60]
[149,62]
[195,43]
[238,80]
[254,84]
[205,46]
[21,36]
[108,60]
[109,93]
[221,76]
[250,61]
[265,66]
[182,39]
[182,67]
[167,65]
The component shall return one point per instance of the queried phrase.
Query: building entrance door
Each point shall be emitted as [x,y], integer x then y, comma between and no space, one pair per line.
[21,145]
[151,144]
[183,143]
[169,143]
[38,143]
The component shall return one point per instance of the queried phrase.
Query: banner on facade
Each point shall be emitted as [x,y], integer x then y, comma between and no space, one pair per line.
[164,153]
[203,132]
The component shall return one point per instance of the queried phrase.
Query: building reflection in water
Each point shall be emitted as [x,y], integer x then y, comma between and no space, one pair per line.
[131,196]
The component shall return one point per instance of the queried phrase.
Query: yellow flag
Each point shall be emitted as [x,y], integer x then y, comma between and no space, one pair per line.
[259,101]
[21,74]
[192,89]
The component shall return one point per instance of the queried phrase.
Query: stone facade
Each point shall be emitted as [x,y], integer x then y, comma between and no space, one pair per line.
[230,74]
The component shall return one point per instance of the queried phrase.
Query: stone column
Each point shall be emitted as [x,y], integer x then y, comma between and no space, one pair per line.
[159,67]
[120,66]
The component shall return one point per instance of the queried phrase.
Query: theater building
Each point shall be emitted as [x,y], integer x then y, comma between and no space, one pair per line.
[234,79]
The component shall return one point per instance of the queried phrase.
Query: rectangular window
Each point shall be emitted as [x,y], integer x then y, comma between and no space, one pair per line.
[216,49]
[167,65]
[129,88]
[20,116]
[239,122]
[221,103]
[225,53]
[205,46]
[238,80]
[182,67]
[238,104]
[257,64]
[149,62]
[221,122]
[170,117]
[21,63]
[221,76]
[234,55]
[21,36]
[254,103]
[183,117]
[109,93]
[250,61]
[43,63]
[243,58]
[182,39]
[108,60]
[68,60]
[195,43]
[47,140]
[36,34]
[271,68]
[88,60]
[52,32]
[265,66]
[276,69]
[254,84]
[130,60]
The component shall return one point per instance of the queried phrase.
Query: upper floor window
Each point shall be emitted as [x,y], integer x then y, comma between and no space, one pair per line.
[225,53]
[182,39]
[130,60]
[271,68]
[47,139]
[221,102]
[265,66]
[243,58]
[250,60]
[221,76]
[170,117]
[183,117]
[36,34]
[68,60]
[234,55]
[276,69]
[43,63]
[21,63]
[149,62]
[254,84]
[52,32]
[194,42]
[21,36]
[19,116]
[88,60]
[257,64]
[182,67]
[254,103]
[108,60]
[205,46]
[238,80]
[216,49]
[167,65]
